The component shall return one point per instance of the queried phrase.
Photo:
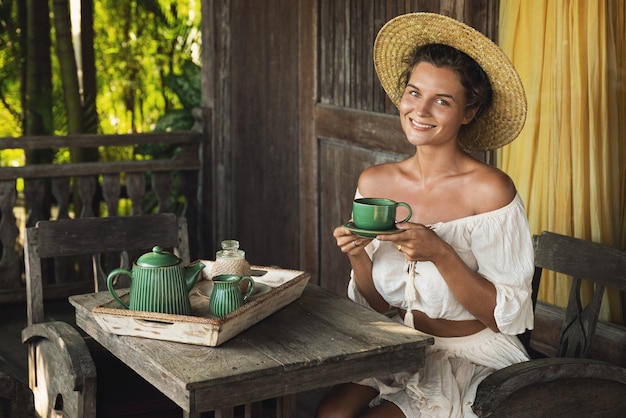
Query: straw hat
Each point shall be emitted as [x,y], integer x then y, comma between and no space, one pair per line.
[503,120]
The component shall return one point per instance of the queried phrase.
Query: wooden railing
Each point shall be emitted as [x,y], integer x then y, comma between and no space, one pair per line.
[89,183]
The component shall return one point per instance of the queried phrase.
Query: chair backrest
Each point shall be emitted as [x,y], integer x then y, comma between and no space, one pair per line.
[94,237]
[601,264]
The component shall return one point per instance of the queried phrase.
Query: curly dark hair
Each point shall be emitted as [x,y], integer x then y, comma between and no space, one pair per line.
[478,92]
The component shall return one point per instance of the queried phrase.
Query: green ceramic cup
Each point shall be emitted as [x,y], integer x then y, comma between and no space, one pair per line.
[226,295]
[377,214]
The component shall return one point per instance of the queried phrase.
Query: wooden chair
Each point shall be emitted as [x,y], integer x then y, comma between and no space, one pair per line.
[70,374]
[569,384]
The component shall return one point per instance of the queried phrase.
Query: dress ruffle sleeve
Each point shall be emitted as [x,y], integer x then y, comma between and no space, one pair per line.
[502,246]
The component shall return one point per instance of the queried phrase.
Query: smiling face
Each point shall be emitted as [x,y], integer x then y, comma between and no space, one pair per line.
[433,106]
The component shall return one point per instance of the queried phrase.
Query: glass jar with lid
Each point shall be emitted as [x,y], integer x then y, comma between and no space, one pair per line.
[230,260]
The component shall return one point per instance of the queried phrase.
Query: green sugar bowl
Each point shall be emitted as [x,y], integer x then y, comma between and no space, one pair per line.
[158,283]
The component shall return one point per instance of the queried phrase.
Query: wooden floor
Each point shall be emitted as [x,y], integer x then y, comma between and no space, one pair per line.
[13,354]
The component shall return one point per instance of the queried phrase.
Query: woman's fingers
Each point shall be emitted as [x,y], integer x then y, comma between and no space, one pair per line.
[412,241]
[348,242]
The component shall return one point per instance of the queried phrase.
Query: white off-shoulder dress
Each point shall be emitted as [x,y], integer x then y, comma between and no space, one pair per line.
[498,246]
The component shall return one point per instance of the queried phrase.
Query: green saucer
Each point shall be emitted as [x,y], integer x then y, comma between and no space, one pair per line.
[365,233]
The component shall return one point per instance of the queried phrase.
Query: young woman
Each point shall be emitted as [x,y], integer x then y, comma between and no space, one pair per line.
[461,269]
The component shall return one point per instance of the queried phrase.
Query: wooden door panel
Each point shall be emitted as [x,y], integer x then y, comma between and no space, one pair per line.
[340,165]
[264,148]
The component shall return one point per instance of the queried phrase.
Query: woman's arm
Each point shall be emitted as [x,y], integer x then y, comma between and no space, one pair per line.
[474,292]
[354,247]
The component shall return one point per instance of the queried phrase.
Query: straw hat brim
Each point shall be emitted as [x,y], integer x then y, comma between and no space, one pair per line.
[503,120]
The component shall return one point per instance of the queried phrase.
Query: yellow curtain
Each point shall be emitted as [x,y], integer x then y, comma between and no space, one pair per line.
[569,161]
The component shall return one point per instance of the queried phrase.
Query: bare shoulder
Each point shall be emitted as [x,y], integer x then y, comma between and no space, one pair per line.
[491,188]
[375,177]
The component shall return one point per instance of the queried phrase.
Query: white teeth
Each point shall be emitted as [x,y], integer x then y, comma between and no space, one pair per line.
[422,125]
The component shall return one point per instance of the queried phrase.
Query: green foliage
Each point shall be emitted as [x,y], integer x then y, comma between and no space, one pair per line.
[146,53]
[10,52]
[12,158]
[137,46]
[187,85]
[174,120]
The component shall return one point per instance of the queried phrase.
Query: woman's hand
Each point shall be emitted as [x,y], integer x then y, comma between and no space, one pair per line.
[354,247]
[348,242]
[417,242]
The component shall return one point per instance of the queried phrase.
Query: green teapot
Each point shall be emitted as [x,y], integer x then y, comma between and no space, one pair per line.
[158,283]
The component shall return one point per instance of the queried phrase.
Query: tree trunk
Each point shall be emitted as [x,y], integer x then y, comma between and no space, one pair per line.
[37,102]
[71,88]
[90,113]
[67,64]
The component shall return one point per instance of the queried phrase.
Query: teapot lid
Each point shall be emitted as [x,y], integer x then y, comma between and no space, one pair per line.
[157,258]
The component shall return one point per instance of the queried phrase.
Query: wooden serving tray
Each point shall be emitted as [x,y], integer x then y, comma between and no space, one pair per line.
[276,288]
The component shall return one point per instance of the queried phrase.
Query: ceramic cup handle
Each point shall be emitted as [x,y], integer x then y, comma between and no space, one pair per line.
[112,291]
[250,287]
[406,205]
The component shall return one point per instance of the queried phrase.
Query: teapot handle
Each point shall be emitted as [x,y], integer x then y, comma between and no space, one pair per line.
[110,278]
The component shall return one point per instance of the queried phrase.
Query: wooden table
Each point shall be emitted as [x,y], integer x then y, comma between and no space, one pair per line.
[317,341]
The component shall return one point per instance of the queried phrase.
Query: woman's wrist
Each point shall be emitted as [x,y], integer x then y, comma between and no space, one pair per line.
[445,254]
